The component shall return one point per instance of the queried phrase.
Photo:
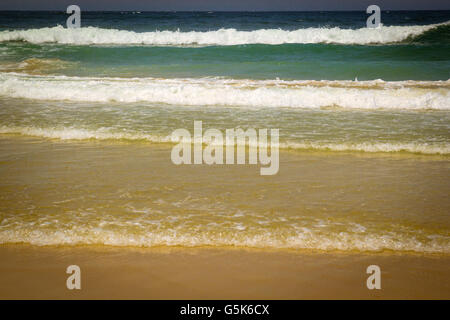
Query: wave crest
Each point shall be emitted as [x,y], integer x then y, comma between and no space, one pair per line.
[411,95]
[94,35]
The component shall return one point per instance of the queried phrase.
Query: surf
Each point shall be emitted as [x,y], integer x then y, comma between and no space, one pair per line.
[369,95]
[222,37]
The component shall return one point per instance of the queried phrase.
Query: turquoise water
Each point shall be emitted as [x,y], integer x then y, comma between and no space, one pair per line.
[255,61]
[327,80]
[328,45]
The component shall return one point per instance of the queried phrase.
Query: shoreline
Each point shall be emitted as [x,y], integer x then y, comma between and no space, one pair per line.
[166,145]
[231,248]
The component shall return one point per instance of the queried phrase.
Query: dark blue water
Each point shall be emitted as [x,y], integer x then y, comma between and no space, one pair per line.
[206,21]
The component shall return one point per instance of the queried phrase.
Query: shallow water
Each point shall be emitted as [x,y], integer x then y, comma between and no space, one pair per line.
[86,117]
[131,194]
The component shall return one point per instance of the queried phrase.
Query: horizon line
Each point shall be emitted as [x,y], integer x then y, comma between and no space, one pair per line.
[219,11]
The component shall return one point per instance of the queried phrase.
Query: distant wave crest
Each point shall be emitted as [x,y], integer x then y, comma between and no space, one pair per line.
[94,35]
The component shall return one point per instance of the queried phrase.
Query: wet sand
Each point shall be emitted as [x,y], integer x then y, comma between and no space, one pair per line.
[30,272]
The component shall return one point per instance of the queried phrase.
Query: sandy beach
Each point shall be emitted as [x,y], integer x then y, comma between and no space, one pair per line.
[30,272]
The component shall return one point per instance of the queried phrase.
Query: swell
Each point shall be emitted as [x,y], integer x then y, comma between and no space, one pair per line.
[287,61]
[410,95]
[223,37]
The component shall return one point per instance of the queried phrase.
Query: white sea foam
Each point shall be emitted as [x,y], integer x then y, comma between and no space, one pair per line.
[108,134]
[246,93]
[94,35]
[82,134]
[411,147]
[304,239]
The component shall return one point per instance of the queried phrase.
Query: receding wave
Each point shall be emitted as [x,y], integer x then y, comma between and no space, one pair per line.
[138,233]
[94,35]
[411,95]
[82,134]
[412,147]
[149,227]
[107,134]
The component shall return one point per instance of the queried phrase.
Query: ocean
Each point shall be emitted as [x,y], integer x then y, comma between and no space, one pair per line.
[86,117]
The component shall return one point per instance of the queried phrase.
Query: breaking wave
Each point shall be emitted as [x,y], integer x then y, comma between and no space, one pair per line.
[378,94]
[148,229]
[224,37]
